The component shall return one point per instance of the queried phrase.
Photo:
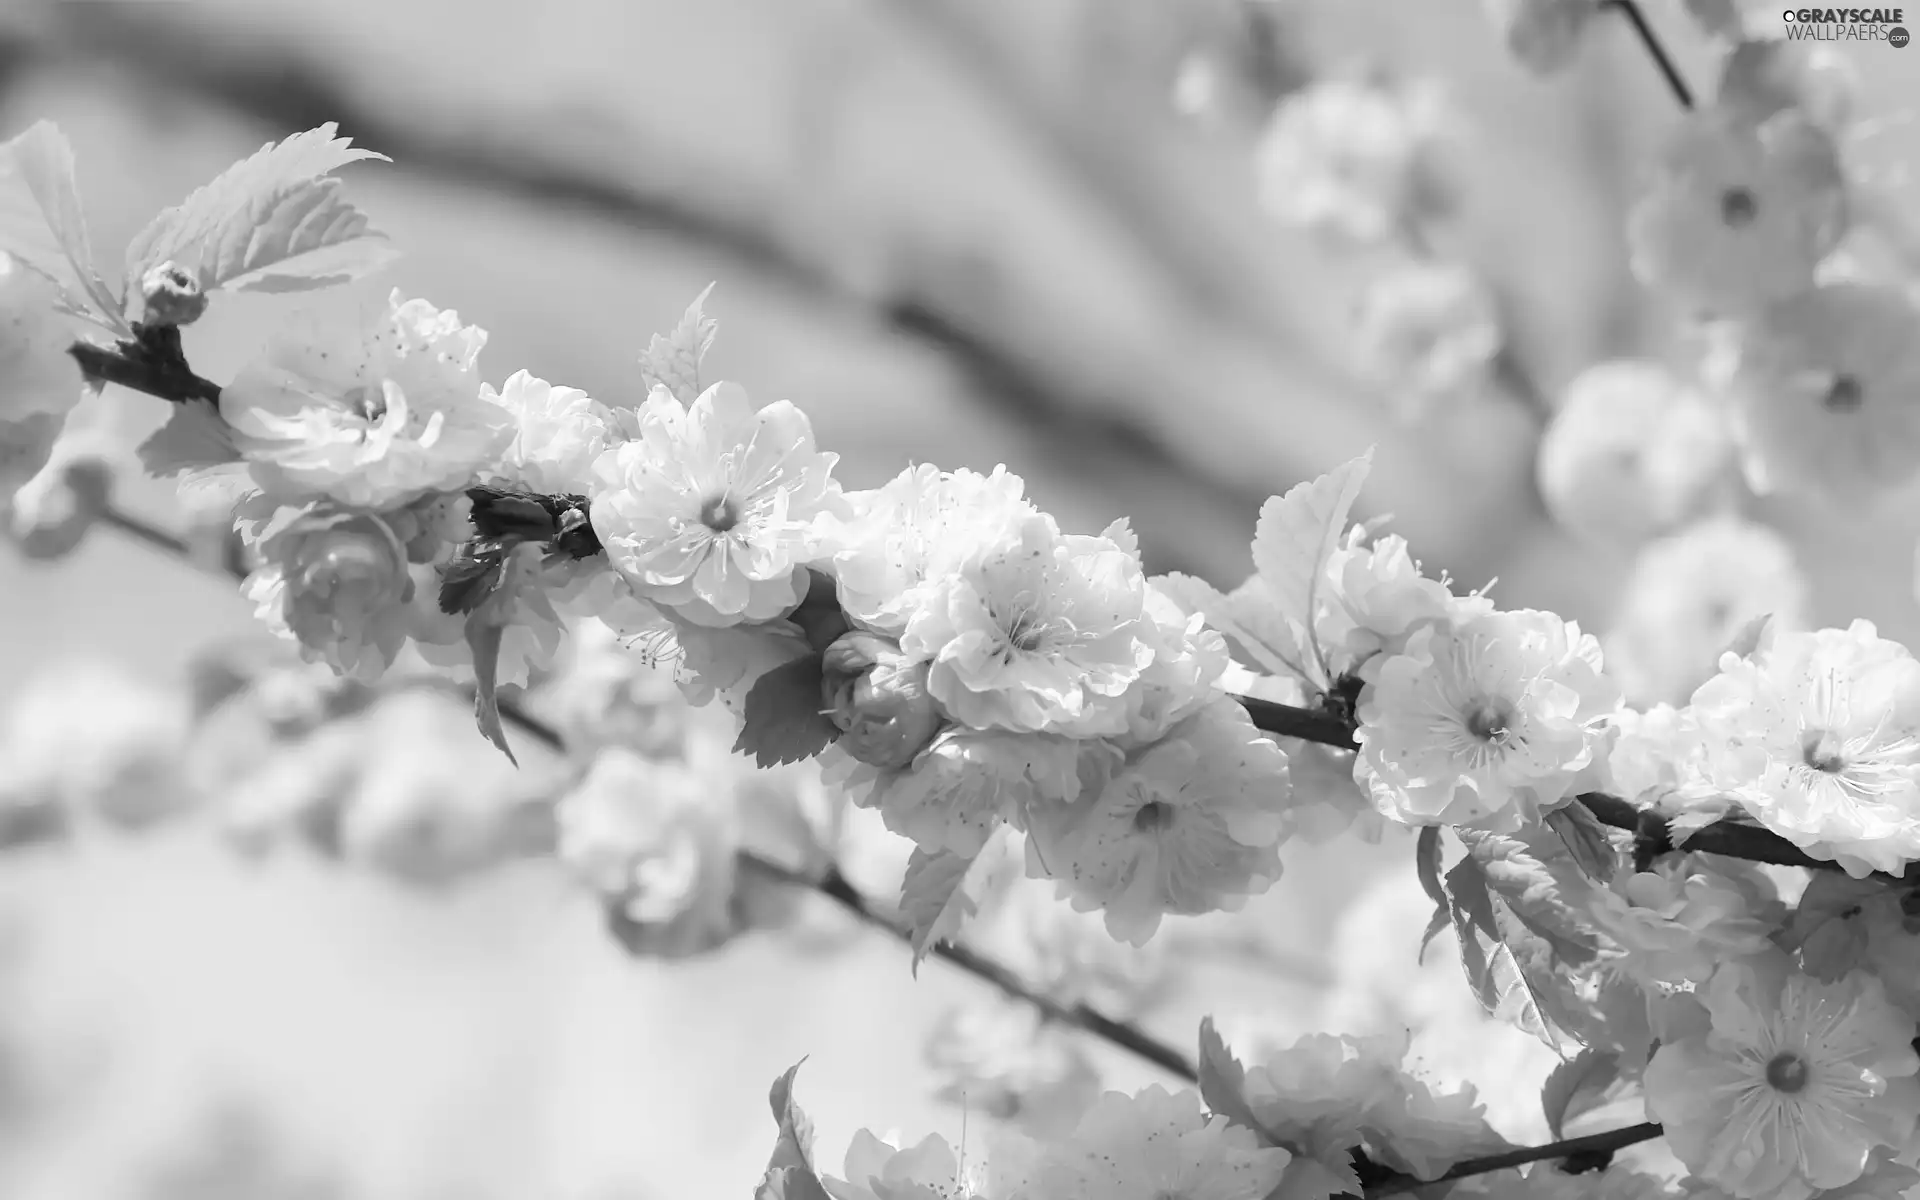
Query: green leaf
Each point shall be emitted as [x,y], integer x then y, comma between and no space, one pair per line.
[484,632]
[1256,630]
[794,1148]
[191,232]
[472,575]
[673,362]
[1426,865]
[193,438]
[1748,637]
[1223,1084]
[1588,842]
[1578,1085]
[784,721]
[1500,981]
[303,238]
[1535,876]
[1521,971]
[1297,532]
[43,227]
[791,1183]
[933,898]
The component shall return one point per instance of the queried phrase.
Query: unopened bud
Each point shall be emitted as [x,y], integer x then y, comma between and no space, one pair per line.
[877,697]
[171,297]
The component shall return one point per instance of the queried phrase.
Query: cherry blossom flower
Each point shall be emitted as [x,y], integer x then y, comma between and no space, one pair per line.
[1188,825]
[1632,452]
[1041,631]
[1484,723]
[370,417]
[1818,736]
[709,510]
[1153,1144]
[1792,1086]
[1826,392]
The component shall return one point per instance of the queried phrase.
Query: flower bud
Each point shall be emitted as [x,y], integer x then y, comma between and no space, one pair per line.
[339,581]
[877,697]
[52,513]
[171,296]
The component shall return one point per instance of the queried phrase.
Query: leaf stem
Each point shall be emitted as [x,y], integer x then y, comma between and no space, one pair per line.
[1676,83]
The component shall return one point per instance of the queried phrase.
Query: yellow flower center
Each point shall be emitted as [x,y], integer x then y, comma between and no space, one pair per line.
[1738,207]
[1787,1073]
[1844,396]
[1153,816]
[719,514]
[1489,720]
[368,402]
[1821,751]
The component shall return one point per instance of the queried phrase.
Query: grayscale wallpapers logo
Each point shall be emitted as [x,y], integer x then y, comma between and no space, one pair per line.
[1847,25]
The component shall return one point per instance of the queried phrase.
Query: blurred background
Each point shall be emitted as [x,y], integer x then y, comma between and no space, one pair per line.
[971,232]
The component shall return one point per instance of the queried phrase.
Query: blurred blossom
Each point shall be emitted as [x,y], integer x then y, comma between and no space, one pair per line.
[1827,393]
[1429,330]
[604,693]
[1543,35]
[657,840]
[427,808]
[1763,78]
[1632,452]
[96,742]
[52,512]
[1344,156]
[395,786]
[1069,955]
[1689,595]
[1004,1060]
[1739,215]
[39,381]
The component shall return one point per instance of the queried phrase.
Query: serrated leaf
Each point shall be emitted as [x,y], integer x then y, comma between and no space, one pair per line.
[306,237]
[1426,865]
[791,1183]
[1586,840]
[1498,979]
[184,233]
[1297,532]
[1748,637]
[193,438]
[1521,971]
[1577,1085]
[43,227]
[933,898]
[1536,879]
[1223,1084]
[484,632]
[783,721]
[794,1147]
[472,575]
[1248,618]
[673,361]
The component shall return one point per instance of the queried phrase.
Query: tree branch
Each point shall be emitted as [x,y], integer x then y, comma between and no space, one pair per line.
[125,364]
[1592,1146]
[1676,83]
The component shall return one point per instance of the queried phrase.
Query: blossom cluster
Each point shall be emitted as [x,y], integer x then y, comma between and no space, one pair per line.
[1058,742]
